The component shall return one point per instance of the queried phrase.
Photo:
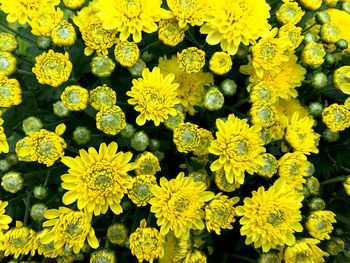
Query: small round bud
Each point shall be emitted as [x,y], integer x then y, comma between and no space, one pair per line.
[228,87]
[342,44]
[333,248]
[322,17]
[103,256]
[31,124]
[213,99]
[309,37]
[12,182]
[315,109]
[174,120]
[242,52]
[74,4]
[60,110]
[126,204]
[330,59]
[180,107]
[128,132]
[305,191]
[43,42]
[37,212]
[319,80]
[330,136]
[8,42]
[313,185]
[265,136]
[346,6]
[102,66]
[12,158]
[140,141]
[329,33]
[117,233]
[310,169]
[270,257]
[4,165]
[159,154]
[147,57]
[154,144]
[136,70]
[110,120]
[316,203]
[40,192]
[81,135]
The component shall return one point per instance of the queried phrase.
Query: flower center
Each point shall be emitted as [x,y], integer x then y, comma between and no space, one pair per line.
[182,205]
[74,97]
[73,229]
[4,63]
[267,51]
[274,218]
[19,241]
[101,259]
[290,11]
[5,92]
[142,190]
[45,147]
[64,33]
[100,177]
[321,226]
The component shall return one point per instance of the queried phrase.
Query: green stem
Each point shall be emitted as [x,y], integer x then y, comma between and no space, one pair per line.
[72,149]
[334,180]
[191,38]
[26,214]
[47,178]
[241,102]
[23,72]
[345,169]
[17,33]
[150,45]
[107,243]
[203,235]
[306,29]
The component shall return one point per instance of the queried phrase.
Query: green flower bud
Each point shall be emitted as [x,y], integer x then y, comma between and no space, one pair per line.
[126,204]
[330,59]
[305,191]
[60,110]
[228,87]
[140,141]
[322,17]
[242,52]
[319,80]
[213,99]
[31,124]
[180,107]
[128,132]
[81,135]
[329,33]
[37,212]
[4,165]
[309,37]
[103,256]
[154,144]
[313,185]
[315,109]
[333,248]
[43,42]
[11,158]
[346,6]
[270,257]
[310,169]
[117,233]
[147,57]
[79,257]
[136,70]
[174,120]
[316,203]
[102,66]
[342,44]
[159,154]
[12,182]
[40,192]
[330,136]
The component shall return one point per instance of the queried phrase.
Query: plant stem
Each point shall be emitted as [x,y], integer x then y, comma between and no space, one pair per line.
[17,33]
[334,180]
[47,178]
[26,214]
[241,102]
[306,29]
[203,235]
[191,38]
[23,72]
[150,45]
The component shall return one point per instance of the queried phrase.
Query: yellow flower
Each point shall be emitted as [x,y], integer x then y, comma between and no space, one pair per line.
[270,167]
[188,11]
[347,185]
[126,53]
[195,256]
[75,98]
[263,91]
[8,63]
[220,63]
[304,250]
[205,139]
[19,240]
[341,19]
[271,217]
[117,233]
[186,137]
[313,54]
[178,205]
[291,34]
[140,189]
[131,17]
[28,156]
[98,180]
[263,114]
[293,168]
[200,176]
[191,85]
[341,79]
[103,255]
[69,228]
[170,33]
[319,224]
[102,66]
[87,15]
[219,213]
[8,42]
[48,250]
[222,183]
[330,33]
[301,136]
[239,147]
[102,96]
[20,10]
[311,4]
[63,34]
[146,243]
[10,92]
[175,248]
[147,164]
[110,120]
[12,182]
[74,4]
[289,13]
[44,20]
[154,96]
[5,220]
[52,68]
[173,121]
[191,60]
[336,117]
[246,18]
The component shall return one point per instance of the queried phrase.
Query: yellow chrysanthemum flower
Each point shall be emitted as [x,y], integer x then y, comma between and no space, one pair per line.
[110,120]
[175,248]
[147,163]
[329,33]
[270,167]
[191,60]
[341,19]
[69,228]
[170,33]
[270,217]
[103,255]
[12,182]
[263,114]
[205,139]
[319,224]
[52,68]
[341,79]
[8,63]
[22,143]
[239,147]
[48,250]
[263,91]
[126,53]
[178,205]
[146,243]
[102,96]
[19,240]
[188,11]
[195,256]
[186,137]
[117,233]
[140,189]
[200,176]
[246,18]
[301,136]
[173,121]
[289,13]
[191,85]
[291,34]
[63,34]
[10,92]
[131,17]
[313,54]
[293,168]
[8,42]
[220,63]
[21,10]
[102,66]
[74,4]
[336,117]
[5,220]
[154,96]
[44,20]
[222,183]
[220,213]
[311,4]
[304,250]
[75,98]
[98,180]
[347,185]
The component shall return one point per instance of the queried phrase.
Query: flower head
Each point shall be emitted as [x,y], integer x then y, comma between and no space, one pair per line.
[8,63]
[98,180]
[102,96]
[178,205]
[52,68]
[336,117]
[220,63]
[126,53]
[304,250]
[68,227]
[117,233]
[188,11]
[63,34]
[75,98]
[311,4]
[222,183]
[174,120]
[10,92]
[102,66]
[186,137]
[270,217]
[154,96]
[8,42]
[270,167]
[140,189]
[319,224]
[44,20]
[191,60]
[263,91]
[239,147]
[5,220]
[291,34]
[175,248]
[289,13]
[103,255]
[263,114]
[12,182]
[341,79]
[48,250]
[147,163]
[195,256]
[205,139]
[110,120]
[313,54]
[170,33]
